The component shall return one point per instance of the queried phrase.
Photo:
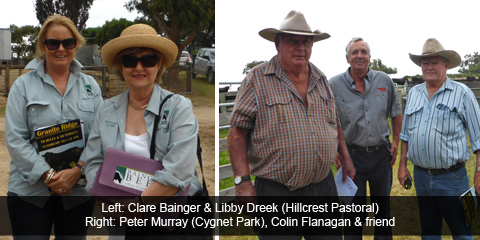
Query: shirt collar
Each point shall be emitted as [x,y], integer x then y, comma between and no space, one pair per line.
[274,67]
[153,104]
[351,82]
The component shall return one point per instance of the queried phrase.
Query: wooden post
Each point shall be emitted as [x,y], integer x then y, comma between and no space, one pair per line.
[104,81]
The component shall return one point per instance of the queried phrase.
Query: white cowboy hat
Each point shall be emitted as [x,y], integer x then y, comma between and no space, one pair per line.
[294,23]
[139,35]
[432,48]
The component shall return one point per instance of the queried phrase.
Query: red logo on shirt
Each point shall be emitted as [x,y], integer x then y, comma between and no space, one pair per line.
[382,89]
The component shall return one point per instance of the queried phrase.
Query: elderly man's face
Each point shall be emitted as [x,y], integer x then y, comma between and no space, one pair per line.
[294,50]
[358,57]
[434,69]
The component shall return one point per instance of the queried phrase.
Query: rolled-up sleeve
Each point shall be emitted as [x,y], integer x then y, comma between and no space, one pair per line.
[472,117]
[18,136]
[180,158]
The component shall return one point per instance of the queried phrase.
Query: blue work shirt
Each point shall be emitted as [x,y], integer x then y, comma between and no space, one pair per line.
[175,143]
[35,102]
[436,129]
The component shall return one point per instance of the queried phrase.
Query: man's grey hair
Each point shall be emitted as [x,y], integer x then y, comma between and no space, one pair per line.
[356,39]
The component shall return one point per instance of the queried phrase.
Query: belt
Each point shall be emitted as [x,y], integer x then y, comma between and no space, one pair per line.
[366,149]
[435,172]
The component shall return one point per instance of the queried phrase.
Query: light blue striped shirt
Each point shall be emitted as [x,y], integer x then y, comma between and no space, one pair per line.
[436,129]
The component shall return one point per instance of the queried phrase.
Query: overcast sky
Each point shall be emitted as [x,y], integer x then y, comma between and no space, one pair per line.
[392,28]
[22,12]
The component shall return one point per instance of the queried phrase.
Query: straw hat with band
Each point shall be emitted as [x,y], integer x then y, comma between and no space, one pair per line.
[139,35]
[433,48]
[294,23]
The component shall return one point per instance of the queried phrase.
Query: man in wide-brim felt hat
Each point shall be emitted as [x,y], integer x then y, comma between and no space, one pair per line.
[438,114]
[285,109]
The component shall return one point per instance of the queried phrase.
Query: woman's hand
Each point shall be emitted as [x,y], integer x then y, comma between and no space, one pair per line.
[63,181]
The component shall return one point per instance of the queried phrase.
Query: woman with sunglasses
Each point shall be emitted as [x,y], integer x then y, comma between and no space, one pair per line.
[126,122]
[54,92]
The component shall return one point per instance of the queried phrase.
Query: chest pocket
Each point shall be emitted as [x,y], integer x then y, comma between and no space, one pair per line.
[38,113]
[414,115]
[86,112]
[277,106]
[445,119]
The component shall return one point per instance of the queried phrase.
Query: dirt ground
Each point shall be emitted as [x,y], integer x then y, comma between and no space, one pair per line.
[205,116]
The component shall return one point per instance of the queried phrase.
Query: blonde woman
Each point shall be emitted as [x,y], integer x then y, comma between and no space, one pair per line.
[54,92]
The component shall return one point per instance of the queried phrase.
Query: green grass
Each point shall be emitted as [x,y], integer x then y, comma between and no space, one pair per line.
[223,133]
[202,87]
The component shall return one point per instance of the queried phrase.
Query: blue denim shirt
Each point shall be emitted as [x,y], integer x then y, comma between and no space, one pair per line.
[35,102]
[175,143]
[436,128]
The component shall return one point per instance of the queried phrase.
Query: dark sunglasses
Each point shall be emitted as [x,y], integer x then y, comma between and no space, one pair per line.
[54,44]
[131,61]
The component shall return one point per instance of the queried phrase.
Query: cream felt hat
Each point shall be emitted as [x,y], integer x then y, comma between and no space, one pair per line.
[139,35]
[294,23]
[432,48]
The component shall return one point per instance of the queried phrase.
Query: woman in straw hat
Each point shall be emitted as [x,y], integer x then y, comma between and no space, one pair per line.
[54,92]
[140,56]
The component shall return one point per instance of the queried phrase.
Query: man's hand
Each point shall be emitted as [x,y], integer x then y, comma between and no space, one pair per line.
[476,181]
[394,151]
[338,161]
[403,173]
[348,169]
[245,193]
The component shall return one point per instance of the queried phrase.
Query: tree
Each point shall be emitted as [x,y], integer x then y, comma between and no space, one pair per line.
[76,10]
[251,65]
[24,40]
[110,30]
[179,21]
[471,64]
[378,65]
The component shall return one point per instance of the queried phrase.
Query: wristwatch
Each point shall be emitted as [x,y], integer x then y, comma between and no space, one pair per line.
[79,166]
[241,179]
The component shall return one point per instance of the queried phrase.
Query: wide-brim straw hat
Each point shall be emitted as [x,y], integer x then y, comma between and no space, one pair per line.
[294,23]
[139,35]
[433,48]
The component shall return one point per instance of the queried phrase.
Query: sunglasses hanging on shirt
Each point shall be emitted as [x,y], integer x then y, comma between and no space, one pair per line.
[54,44]
[131,61]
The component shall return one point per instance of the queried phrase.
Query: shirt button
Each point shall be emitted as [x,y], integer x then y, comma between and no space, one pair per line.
[33,109]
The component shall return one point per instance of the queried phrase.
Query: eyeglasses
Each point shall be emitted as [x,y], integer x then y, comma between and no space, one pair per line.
[131,61]
[54,44]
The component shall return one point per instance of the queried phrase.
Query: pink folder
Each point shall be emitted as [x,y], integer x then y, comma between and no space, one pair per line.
[104,186]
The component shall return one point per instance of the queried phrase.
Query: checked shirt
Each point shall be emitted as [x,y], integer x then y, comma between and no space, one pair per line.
[289,143]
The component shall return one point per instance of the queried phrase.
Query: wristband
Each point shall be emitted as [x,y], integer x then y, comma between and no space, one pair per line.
[50,174]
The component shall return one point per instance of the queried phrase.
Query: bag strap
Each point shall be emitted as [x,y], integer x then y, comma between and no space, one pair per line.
[199,156]
[155,126]
[154,134]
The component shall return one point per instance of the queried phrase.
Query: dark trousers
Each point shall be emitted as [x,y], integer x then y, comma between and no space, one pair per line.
[374,168]
[32,222]
[324,191]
